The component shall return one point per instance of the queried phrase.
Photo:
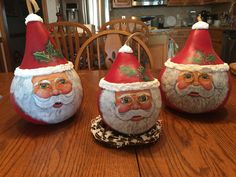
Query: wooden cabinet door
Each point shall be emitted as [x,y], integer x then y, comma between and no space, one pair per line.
[223,1]
[180,37]
[158,46]
[193,2]
[176,2]
[121,3]
[184,2]
[216,38]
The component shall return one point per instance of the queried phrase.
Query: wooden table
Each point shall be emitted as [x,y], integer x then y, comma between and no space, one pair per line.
[189,145]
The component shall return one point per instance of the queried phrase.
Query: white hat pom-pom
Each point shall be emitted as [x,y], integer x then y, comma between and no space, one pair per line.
[200,25]
[33,17]
[125,49]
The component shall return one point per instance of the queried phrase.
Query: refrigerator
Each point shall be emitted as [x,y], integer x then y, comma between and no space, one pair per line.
[90,12]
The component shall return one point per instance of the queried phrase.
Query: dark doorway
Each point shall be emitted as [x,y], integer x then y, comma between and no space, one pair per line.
[16,12]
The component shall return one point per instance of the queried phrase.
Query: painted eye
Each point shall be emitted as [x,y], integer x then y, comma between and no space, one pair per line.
[126,99]
[44,85]
[61,81]
[187,75]
[143,98]
[205,76]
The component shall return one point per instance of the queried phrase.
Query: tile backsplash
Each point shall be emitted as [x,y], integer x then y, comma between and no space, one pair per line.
[153,11]
[178,12]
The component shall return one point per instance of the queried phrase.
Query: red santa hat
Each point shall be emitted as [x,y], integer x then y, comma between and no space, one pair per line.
[41,56]
[198,53]
[126,73]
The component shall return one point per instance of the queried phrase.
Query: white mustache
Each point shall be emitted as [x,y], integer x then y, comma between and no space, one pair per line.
[49,102]
[129,114]
[199,89]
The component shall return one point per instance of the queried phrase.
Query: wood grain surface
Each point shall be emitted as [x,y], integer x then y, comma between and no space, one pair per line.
[190,145]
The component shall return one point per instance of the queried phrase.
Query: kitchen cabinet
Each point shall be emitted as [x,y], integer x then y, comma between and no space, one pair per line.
[180,36]
[184,2]
[158,45]
[216,38]
[121,3]
[214,1]
[194,2]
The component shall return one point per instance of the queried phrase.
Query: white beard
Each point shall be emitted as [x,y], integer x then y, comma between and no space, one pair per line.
[121,122]
[209,100]
[42,109]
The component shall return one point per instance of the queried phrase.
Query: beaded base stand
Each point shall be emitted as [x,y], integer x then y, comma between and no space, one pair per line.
[110,137]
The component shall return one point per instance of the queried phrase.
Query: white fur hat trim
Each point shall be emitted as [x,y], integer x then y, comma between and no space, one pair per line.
[196,67]
[43,70]
[128,86]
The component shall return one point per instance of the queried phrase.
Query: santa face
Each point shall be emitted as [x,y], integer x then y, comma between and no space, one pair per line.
[195,91]
[49,98]
[130,112]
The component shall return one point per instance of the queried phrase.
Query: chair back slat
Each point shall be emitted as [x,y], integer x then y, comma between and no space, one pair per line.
[88,58]
[57,40]
[70,42]
[69,37]
[139,51]
[64,44]
[77,41]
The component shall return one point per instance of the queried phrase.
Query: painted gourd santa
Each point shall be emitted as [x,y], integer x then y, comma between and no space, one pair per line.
[129,101]
[196,80]
[45,89]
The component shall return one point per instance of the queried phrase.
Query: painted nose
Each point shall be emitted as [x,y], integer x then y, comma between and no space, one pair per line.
[135,106]
[195,81]
[55,92]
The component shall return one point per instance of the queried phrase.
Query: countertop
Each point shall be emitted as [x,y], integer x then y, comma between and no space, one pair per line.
[169,29]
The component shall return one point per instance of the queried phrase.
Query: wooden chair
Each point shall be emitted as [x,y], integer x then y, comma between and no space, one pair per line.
[129,25]
[99,51]
[69,36]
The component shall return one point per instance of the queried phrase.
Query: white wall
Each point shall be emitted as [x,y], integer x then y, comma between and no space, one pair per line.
[52,6]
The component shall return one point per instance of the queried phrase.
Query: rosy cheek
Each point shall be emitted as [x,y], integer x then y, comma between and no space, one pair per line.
[182,85]
[65,88]
[123,108]
[42,93]
[207,86]
[146,106]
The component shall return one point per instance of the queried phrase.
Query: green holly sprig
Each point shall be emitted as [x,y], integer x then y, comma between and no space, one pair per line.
[48,54]
[201,57]
[130,71]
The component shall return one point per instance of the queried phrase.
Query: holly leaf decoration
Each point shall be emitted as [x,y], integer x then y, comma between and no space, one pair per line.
[196,60]
[41,56]
[48,54]
[142,75]
[50,49]
[210,58]
[127,70]
[200,57]
[130,71]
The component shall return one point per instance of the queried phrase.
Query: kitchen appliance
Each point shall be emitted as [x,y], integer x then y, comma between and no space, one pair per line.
[95,12]
[148,2]
[72,12]
[228,53]
[192,18]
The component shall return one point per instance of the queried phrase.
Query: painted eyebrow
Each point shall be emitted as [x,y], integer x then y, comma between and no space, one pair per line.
[138,94]
[124,95]
[144,93]
[59,78]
